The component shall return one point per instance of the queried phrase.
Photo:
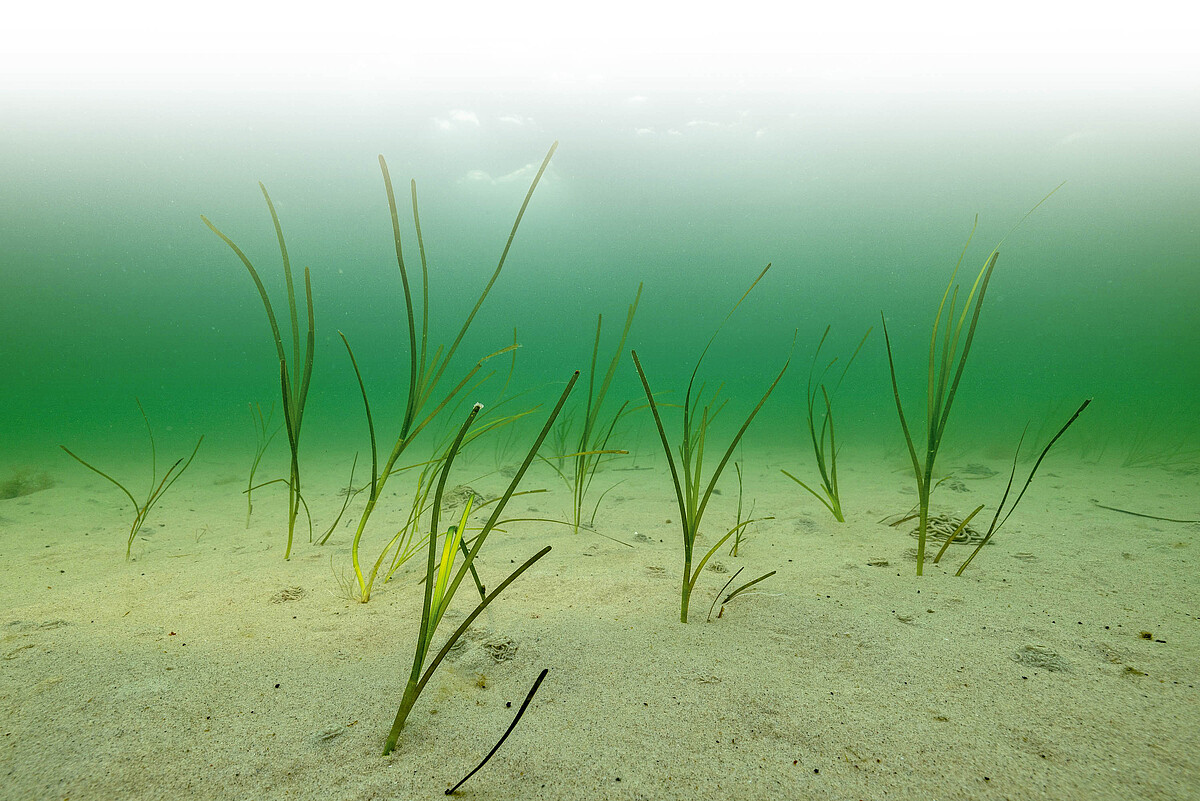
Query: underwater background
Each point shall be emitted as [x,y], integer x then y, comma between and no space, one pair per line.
[113,289]
[855,147]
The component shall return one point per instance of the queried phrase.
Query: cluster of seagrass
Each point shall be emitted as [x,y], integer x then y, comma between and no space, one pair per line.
[578,438]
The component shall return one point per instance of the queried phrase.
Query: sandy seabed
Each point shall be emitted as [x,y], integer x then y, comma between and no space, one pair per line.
[1063,664]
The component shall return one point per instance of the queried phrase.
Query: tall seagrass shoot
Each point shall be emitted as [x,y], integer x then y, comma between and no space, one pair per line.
[424,401]
[443,577]
[691,493]
[294,376]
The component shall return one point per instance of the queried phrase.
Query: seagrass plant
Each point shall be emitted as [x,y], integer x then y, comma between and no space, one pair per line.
[263,437]
[157,486]
[823,437]
[941,386]
[948,351]
[294,376]
[424,401]
[691,492]
[737,538]
[591,444]
[443,577]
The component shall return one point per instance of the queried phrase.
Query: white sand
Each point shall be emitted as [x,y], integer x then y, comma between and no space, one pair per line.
[182,674]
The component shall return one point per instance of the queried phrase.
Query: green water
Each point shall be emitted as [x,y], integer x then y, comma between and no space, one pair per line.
[113,289]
